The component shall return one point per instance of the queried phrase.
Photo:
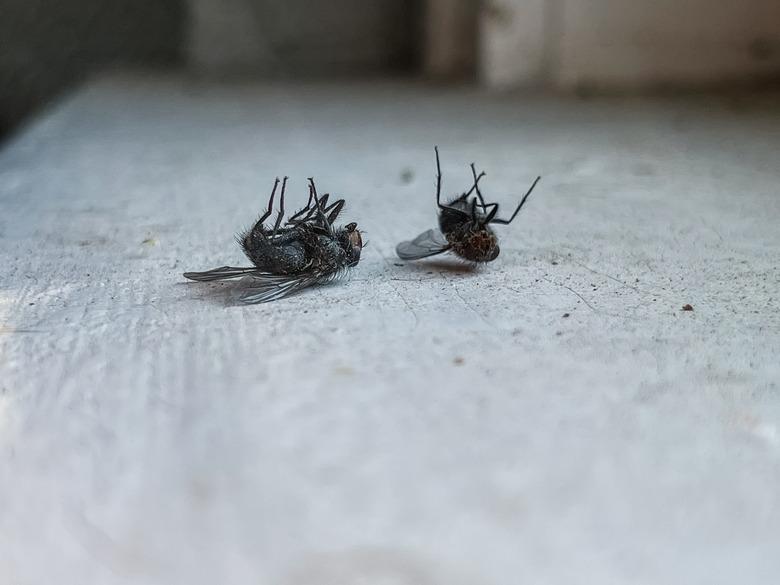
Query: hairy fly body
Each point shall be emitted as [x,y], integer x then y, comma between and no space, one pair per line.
[290,256]
[464,225]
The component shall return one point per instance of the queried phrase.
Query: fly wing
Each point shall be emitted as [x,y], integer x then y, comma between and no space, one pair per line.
[426,244]
[221,273]
[264,287]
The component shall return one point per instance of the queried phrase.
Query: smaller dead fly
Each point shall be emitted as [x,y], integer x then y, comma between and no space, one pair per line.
[464,225]
[288,257]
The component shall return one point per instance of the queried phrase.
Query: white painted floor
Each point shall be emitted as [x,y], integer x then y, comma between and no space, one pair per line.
[419,424]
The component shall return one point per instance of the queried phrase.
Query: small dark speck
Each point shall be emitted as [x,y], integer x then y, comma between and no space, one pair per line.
[566,315]
[31,304]
[559,333]
[554,263]
[407,176]
[636,280]
[458,361]
[687,308]
[429,272]
[397,264]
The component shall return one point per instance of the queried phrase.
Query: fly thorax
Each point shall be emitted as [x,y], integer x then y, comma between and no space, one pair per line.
[330,251]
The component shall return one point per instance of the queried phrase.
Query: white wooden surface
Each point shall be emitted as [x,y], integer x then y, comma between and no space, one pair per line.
[418,424]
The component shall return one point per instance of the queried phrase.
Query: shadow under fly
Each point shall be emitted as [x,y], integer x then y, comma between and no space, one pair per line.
[288,257]
[464,225]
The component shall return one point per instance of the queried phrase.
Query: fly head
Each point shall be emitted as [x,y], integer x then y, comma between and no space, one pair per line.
[351,242]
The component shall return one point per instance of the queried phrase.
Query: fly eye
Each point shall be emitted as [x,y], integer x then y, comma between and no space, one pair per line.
[350,227]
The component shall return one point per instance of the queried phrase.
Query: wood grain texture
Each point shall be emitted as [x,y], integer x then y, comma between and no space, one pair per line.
[420,423]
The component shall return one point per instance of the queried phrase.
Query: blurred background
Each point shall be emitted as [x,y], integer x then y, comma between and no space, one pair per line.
[580,45]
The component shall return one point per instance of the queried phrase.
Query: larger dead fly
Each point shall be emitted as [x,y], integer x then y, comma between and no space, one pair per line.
[303,251]
[464,225]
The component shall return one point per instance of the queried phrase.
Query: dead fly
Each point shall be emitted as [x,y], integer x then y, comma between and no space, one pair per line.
[304,251]
[464,225]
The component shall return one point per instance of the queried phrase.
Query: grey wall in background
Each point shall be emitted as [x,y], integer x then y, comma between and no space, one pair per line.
[302,37]
[47,46]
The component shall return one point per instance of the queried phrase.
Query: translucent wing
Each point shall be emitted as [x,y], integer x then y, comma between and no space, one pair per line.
[263,287]
[426,244]
[221,273]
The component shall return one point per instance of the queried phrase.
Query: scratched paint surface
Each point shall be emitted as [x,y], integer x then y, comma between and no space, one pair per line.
[554,417]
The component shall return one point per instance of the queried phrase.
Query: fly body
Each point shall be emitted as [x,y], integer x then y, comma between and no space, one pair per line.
[464,225]
[291,255]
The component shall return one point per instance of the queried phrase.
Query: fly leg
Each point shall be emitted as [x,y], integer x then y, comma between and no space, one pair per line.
[281,207]
[258,230]
[320,212]
[273,250]
[308,212]
[491,218]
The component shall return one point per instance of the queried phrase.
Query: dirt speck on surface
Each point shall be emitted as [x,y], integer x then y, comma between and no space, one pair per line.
[687,307]
[407,176]
[566,315]
[458,361]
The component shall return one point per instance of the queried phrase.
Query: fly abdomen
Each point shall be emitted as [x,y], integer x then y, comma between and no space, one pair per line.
[475,245]
[278,259]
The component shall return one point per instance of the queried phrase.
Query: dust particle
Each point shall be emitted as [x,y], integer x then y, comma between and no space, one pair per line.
[566,315]
[687,308]
[407,176]
[458,361]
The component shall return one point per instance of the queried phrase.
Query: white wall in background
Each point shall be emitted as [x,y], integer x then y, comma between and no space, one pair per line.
[513,42]
[628,43]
